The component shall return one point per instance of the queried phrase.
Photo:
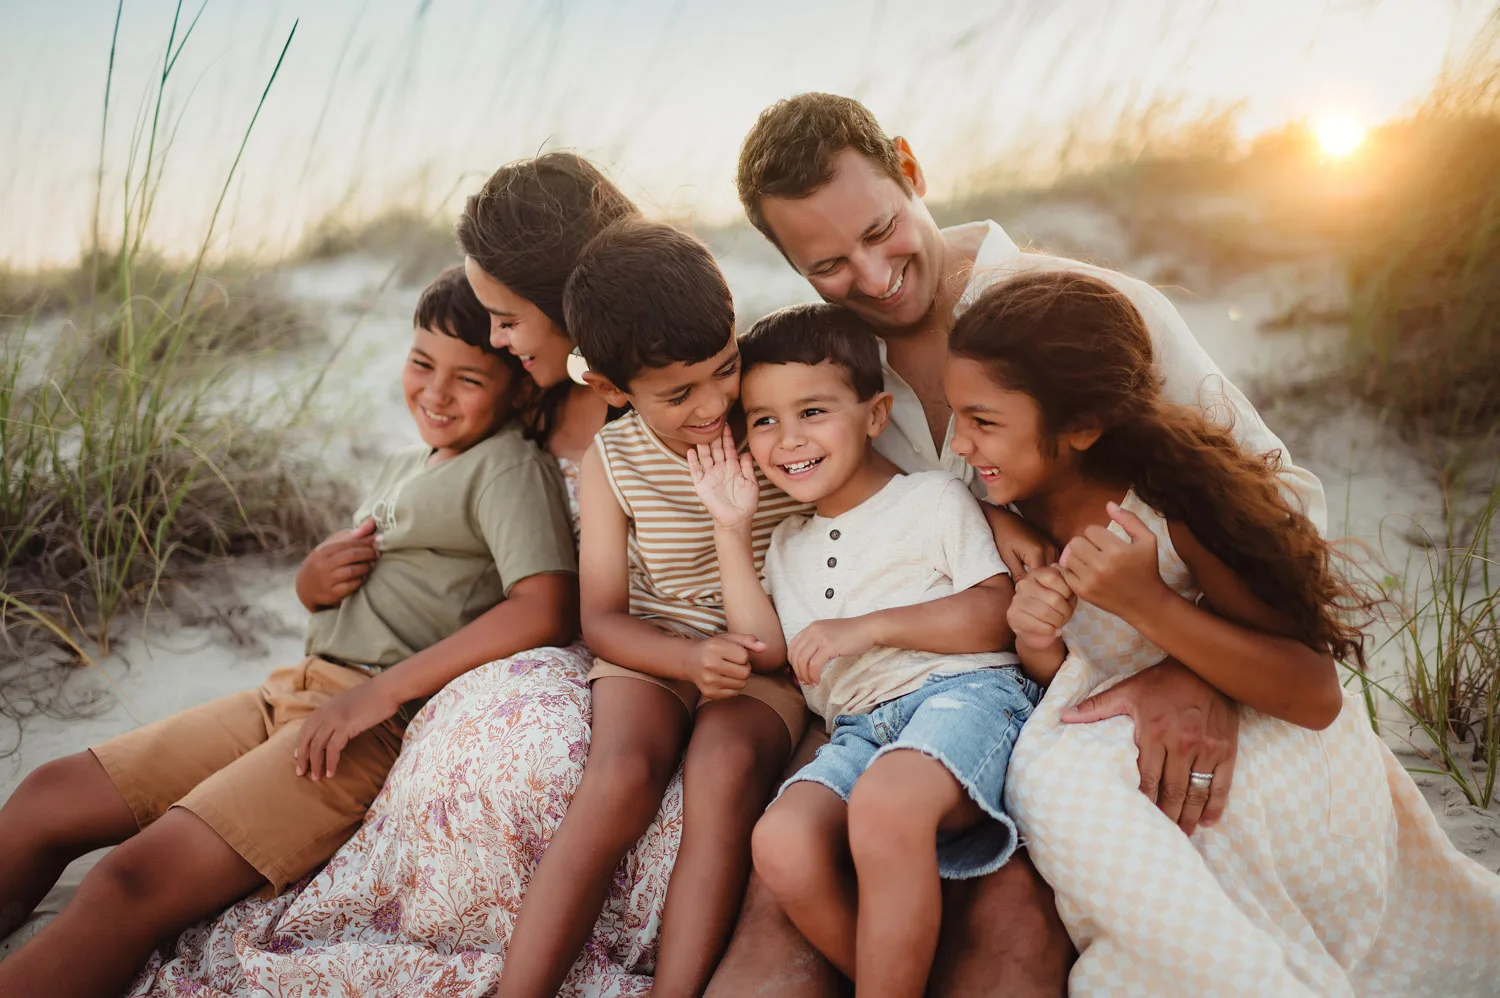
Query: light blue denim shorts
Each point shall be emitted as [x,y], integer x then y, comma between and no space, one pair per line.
[968,721]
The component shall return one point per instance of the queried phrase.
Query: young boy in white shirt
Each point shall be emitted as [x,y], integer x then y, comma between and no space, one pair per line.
[889,604]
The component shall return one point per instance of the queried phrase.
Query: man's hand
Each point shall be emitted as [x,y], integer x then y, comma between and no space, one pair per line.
[1182,725]
[720,666]
[338,722]
[822,641]
[1022,547]
[726,485]
[1119,576]
[337,567]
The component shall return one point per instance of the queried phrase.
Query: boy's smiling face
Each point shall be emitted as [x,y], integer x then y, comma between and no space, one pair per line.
[808,429]
[684,404]
[457,394]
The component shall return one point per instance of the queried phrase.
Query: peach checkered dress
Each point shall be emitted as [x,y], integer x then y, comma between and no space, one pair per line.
[1327,875]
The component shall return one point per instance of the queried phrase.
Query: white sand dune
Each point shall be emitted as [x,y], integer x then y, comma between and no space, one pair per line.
[231,631]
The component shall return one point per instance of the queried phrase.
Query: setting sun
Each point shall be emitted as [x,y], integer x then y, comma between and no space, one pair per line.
[1339,135]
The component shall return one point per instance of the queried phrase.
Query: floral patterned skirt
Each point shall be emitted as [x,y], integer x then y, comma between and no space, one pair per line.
[422,900]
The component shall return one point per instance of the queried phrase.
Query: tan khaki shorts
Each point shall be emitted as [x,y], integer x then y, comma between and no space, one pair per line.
[230,763]
[779,691]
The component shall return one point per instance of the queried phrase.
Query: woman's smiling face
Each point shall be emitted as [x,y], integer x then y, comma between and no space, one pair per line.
[519,326]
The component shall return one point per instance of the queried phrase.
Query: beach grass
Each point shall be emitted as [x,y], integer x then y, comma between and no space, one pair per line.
[1424,347]
[135,452]
[1448,637]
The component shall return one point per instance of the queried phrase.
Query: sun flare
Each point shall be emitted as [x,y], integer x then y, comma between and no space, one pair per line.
[1339,135]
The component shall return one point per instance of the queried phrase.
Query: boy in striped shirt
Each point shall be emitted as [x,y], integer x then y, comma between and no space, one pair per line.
[677,680]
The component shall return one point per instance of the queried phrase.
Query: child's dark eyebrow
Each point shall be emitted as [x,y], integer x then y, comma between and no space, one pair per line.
[672,393]
[668,393]
[500,313]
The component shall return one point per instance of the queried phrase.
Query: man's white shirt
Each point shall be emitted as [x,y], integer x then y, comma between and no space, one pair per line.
[1189,374]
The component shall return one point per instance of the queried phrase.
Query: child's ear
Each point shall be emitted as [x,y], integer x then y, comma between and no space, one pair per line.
[880,414]
[1084,434]
[606,389]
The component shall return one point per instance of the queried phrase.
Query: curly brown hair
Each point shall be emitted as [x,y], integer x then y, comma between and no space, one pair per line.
[1080,349]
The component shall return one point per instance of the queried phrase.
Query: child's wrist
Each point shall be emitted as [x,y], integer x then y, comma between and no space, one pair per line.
[875,627]
[734,531]
[1150,605]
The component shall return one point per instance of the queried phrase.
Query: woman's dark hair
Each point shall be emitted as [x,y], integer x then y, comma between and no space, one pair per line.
[813,334]
[526,227]
[448,306]
[1080,349]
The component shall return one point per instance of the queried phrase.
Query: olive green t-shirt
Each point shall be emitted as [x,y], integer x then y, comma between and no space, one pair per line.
[455,537]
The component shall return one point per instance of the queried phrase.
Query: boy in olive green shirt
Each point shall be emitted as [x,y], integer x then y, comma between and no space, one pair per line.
[462,554]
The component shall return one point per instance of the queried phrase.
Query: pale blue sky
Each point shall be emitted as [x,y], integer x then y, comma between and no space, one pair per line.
[404,101]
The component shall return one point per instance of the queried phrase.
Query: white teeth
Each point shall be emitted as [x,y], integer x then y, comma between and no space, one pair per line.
[900,280]
[444,420]
[526,356]
[796,468]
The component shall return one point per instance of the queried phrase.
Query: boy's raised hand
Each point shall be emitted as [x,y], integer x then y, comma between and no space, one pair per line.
[720,665]
[726,484]
[337,567]
[1043,603]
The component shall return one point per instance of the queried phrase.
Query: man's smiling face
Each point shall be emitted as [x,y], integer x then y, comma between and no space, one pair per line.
[864,242]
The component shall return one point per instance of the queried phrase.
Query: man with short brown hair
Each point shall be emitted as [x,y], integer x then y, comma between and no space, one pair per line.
[843,203]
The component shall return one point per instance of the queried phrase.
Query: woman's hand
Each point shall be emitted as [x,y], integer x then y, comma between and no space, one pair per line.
[337,723]
[726,485]
[822,641]
[1119,576]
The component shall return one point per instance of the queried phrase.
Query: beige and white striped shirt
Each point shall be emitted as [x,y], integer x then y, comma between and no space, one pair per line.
[674,568]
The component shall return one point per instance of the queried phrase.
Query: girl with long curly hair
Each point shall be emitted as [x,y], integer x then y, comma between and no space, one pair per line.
[1327,873]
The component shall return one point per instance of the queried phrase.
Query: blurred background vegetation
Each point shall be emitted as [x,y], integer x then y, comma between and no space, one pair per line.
[170,164]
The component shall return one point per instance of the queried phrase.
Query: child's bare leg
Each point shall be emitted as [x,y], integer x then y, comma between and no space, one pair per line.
[61,811]
[636,743]
[147,890]
[896,810]
[734,757]
[802,855]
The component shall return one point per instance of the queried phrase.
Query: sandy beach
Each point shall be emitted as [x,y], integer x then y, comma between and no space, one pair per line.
[225,634]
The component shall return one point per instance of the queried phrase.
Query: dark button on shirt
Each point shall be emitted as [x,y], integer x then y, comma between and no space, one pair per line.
[833,534]
[832,562]
[828,594]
